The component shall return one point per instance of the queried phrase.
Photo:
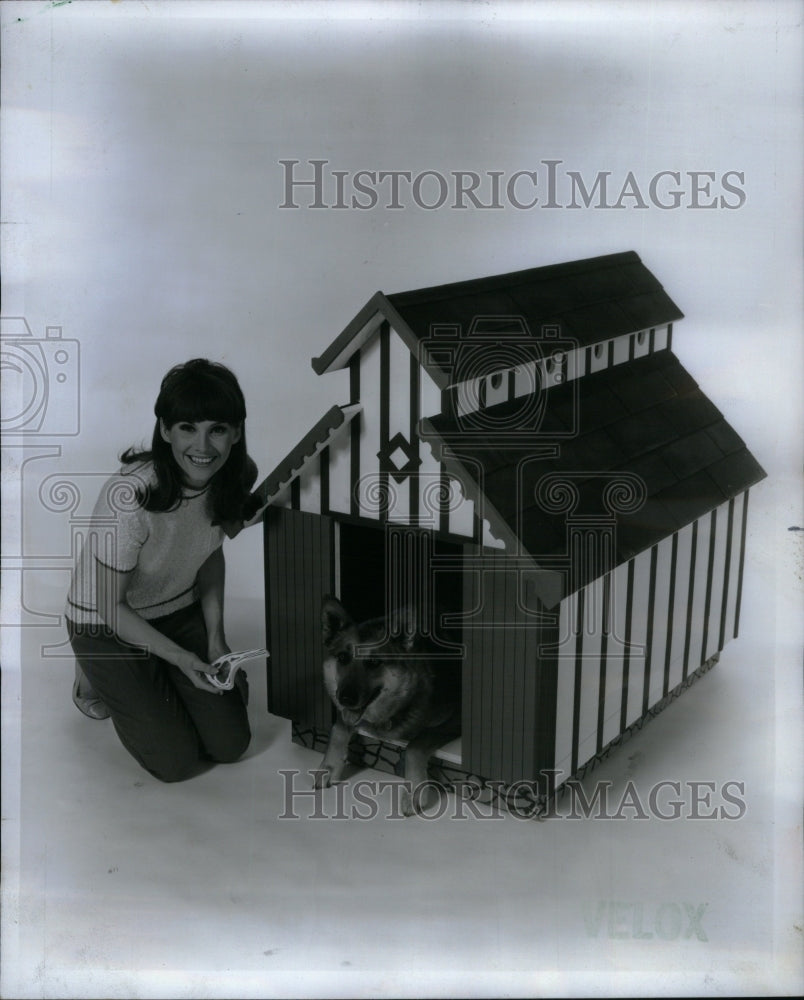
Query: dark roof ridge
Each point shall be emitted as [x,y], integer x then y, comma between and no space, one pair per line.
[523,275]
[591,300]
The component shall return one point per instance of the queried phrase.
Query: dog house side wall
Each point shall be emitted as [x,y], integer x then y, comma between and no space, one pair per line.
[509,689]
[669,610]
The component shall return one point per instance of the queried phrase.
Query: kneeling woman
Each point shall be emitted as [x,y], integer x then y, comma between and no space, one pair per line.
[145,609]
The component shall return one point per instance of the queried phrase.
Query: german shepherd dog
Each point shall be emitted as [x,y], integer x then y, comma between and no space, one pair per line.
[395,693]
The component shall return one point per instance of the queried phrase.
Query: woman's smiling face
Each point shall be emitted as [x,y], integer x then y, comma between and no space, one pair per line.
[200,448]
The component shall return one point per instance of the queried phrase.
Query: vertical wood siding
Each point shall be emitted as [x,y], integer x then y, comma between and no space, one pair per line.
[299,570]
[661,637]
[729,629]
[637,636]
[338,458]
[678,624]
[741,564]
[394,393]
[615,656]
[641,343]
[509,693]
[670,609]
[565,686]
[370,436]
[588,664]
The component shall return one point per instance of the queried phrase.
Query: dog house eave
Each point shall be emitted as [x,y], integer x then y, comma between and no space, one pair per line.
[362,328]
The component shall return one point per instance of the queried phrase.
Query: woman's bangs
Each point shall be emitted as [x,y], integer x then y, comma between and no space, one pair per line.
[203,399]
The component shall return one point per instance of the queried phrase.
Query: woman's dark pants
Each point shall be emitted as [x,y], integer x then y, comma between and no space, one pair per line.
[167,725]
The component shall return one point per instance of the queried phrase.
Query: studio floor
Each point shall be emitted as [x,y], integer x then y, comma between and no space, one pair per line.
[125,887]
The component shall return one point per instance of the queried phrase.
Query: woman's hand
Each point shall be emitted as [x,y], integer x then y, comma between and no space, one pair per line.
[195,670]
[217,647]
[130,627]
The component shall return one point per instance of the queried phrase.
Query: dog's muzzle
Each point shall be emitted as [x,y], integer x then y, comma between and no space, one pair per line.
[350,696]
[355,698]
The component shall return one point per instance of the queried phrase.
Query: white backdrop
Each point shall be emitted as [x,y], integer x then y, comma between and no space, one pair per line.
[141,185]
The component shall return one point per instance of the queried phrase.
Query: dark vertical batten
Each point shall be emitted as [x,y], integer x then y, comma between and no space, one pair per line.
[354,433]
[742,561]
[443,500]
[668,649]
[268,562]
[323,465]
[471,673]
[649,632]
[576,696]
[690,599]
[726,573]
[385,408]
[506,663]
[546,693]
[710,568]
[629,606]
[413,435]
[604,638]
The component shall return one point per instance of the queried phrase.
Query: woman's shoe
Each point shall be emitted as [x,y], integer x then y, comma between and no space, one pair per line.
[91,705]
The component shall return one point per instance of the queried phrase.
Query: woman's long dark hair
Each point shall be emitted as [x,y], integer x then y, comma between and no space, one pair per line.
[192,392]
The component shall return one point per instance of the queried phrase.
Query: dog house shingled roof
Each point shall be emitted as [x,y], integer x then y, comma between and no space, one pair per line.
[591,300]
[310,445]
[647,418]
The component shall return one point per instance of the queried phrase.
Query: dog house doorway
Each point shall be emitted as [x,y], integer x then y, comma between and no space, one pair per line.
[384,568]
[381,569]
[309,555]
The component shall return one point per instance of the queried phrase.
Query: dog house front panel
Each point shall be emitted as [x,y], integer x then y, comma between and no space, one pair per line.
[299,570]
[509,676]
[377,468]
[382,470]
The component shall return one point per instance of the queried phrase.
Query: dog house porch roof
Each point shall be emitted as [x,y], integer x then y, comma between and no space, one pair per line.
[590,300]
[646,419]
[317,438]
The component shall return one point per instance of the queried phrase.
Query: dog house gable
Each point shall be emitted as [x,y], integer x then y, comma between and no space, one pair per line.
[366,461]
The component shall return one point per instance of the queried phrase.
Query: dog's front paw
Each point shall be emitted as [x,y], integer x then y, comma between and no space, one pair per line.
[406,802]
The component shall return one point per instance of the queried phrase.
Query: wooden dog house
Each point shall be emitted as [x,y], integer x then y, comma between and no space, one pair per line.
[524,458]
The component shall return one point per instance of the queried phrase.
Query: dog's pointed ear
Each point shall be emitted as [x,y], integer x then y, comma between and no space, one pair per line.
[334,619]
